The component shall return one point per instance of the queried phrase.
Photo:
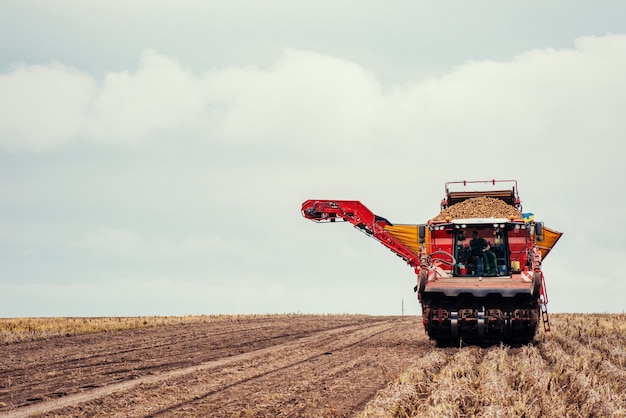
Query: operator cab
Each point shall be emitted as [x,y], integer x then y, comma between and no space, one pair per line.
[493,249]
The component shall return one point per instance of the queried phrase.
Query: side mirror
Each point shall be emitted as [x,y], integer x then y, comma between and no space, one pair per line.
[422,233]
[539,231]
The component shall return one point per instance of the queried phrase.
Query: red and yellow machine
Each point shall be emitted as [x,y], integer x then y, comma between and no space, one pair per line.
[464,294]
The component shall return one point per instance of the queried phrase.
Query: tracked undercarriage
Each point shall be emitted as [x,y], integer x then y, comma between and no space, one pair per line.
[456,320]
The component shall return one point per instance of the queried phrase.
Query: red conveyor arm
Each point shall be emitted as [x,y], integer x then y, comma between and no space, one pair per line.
[362,218]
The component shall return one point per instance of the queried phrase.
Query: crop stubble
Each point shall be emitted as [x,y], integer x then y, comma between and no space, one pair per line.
[301,365]
[576,370]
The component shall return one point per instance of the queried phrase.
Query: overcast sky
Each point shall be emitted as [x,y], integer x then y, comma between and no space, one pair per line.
[154,155]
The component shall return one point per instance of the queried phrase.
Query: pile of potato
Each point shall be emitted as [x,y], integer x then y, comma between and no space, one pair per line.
[479,207]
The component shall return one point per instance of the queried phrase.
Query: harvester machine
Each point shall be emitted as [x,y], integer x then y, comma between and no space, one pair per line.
[478,263]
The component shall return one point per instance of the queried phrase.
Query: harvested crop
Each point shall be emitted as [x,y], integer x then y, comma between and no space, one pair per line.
[479,207]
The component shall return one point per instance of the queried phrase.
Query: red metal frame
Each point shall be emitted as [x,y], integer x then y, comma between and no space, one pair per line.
[362,218]
[485,191]
[492,181]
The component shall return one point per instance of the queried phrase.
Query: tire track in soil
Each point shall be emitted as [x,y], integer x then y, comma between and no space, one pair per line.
[328,347]
[34,371]
[198,385]
[82,361]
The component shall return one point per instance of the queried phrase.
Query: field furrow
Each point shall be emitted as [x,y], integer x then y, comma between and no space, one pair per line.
[307,364]
[317,366]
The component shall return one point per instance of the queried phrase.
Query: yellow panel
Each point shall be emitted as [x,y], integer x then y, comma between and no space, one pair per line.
[408,235]
[550,237]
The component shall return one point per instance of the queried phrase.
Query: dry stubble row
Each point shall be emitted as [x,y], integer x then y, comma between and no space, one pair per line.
[37,328]
[576,370]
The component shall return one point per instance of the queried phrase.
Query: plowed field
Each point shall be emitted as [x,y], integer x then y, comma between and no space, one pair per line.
[313,366]
[267,366]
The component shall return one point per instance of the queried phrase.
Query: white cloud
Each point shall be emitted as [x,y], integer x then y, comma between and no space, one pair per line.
[318,100]
[42,105]
[160,96]
[306,97]
[571,92]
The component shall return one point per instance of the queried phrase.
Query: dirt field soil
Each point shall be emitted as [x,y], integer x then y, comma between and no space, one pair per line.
[298,365]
